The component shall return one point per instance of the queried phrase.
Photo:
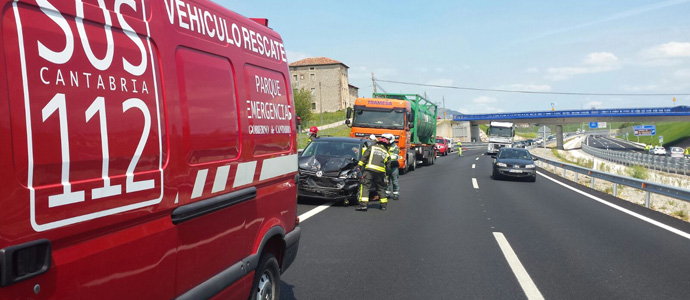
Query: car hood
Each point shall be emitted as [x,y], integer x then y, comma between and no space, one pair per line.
[326,164]
[515,161]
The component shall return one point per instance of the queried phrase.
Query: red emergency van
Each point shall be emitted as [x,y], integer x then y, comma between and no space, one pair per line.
[147,151]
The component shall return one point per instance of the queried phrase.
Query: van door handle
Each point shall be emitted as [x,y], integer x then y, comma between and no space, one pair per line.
[24,261]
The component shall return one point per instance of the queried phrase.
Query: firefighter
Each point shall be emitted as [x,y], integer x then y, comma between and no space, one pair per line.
[459,149]
[687,152]
[374,161]
[393,172]
[646,148]
[313,131]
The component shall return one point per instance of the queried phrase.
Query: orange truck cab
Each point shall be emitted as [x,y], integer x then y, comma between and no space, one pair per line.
[148,151]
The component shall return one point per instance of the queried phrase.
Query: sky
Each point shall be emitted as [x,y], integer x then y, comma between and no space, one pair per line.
[581,46]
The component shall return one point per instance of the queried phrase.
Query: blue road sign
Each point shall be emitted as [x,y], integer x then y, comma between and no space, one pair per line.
[593,124]
[644,130]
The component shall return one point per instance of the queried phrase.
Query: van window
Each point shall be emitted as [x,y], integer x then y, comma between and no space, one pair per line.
[270,120]
[209,106]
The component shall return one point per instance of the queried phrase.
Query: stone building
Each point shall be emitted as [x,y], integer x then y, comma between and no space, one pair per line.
[327,79]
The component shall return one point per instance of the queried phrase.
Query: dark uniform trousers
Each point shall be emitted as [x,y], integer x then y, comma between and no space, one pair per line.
[375,179]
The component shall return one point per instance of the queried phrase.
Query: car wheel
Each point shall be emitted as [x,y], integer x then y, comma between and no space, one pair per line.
[533,178]
[266,279]
[494,175]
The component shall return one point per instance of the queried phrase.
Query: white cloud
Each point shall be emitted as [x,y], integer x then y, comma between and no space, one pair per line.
[596,62]
[439,70]
[293,56]
[528,87]
[668,50]
[600,59]
[484,100]
[532,70]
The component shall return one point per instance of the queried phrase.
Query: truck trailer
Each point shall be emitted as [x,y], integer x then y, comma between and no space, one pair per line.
[409,117]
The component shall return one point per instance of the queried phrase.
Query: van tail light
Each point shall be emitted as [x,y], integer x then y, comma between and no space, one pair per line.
[260,21]
[24,261]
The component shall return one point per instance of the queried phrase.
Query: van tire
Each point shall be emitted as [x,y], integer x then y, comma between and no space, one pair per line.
[266,279]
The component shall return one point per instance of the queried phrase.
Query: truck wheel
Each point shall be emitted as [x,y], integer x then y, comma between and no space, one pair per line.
[414,164]
[266,279]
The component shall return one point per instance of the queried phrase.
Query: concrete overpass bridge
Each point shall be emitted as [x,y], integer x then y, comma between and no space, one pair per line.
[658,114]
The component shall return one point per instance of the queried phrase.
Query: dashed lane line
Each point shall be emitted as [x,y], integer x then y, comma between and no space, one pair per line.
[634,214]
[314,211]
[477,158]
[528,286]
[474,183]
[473,165]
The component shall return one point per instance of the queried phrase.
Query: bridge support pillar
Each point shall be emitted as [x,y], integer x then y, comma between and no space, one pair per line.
[559,137]
[474,133]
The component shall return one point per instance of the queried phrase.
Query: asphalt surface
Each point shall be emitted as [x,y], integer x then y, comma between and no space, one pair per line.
[603,142]
[440,240]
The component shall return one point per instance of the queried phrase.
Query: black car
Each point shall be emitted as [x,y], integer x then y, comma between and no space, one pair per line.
[514,162]
[327,168]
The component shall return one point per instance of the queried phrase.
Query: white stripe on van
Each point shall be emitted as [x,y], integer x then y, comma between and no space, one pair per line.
[245,174]
[221,180]
[277,166]
[199,183]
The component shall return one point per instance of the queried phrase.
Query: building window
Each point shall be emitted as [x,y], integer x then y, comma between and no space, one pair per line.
[312,76]
[313,91]
[313,105]
[295,77]
[311,68]
[301,77]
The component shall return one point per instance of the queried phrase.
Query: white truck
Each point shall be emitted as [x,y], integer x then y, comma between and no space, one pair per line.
[501,135]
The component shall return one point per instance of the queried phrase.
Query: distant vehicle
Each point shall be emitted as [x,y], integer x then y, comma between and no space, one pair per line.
[516,163]
[529,142]
[442,146]
[519,144]
[501,135]
[658,150]
[327,168]
[677,152]
[452,147]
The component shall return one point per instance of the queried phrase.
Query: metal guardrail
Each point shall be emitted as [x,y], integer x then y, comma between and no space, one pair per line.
[647,186]
[474,145]
[677,165]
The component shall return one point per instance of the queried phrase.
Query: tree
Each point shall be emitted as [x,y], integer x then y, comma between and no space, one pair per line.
[303,104]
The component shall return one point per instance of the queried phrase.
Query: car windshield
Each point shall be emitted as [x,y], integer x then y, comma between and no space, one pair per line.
[440,141]
[333,148]
[378,118]
[514,154]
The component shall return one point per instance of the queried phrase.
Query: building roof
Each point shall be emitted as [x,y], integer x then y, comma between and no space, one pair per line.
[316,61]
[352,86]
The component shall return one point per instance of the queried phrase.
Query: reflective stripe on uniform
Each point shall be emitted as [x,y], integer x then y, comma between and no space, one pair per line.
[384,200]
[376,168]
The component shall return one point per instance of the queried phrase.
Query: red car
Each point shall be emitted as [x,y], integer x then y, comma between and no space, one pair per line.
[442,146]
[148,151]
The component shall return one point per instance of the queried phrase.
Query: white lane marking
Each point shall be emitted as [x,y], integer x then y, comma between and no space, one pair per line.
[314,211]
[244,174]
[474,183]
[528,286]
[221,179]
[277,166]
[477,158]
[473,165]
[634,214]
[199,183]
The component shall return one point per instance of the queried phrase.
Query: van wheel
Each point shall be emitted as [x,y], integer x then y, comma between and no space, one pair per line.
[266,279]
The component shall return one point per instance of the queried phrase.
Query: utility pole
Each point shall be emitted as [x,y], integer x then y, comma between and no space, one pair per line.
[373,81]
[444,107]
[321,103]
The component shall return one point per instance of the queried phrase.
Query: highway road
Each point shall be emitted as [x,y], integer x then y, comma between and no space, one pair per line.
[457,234]
[603,142]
